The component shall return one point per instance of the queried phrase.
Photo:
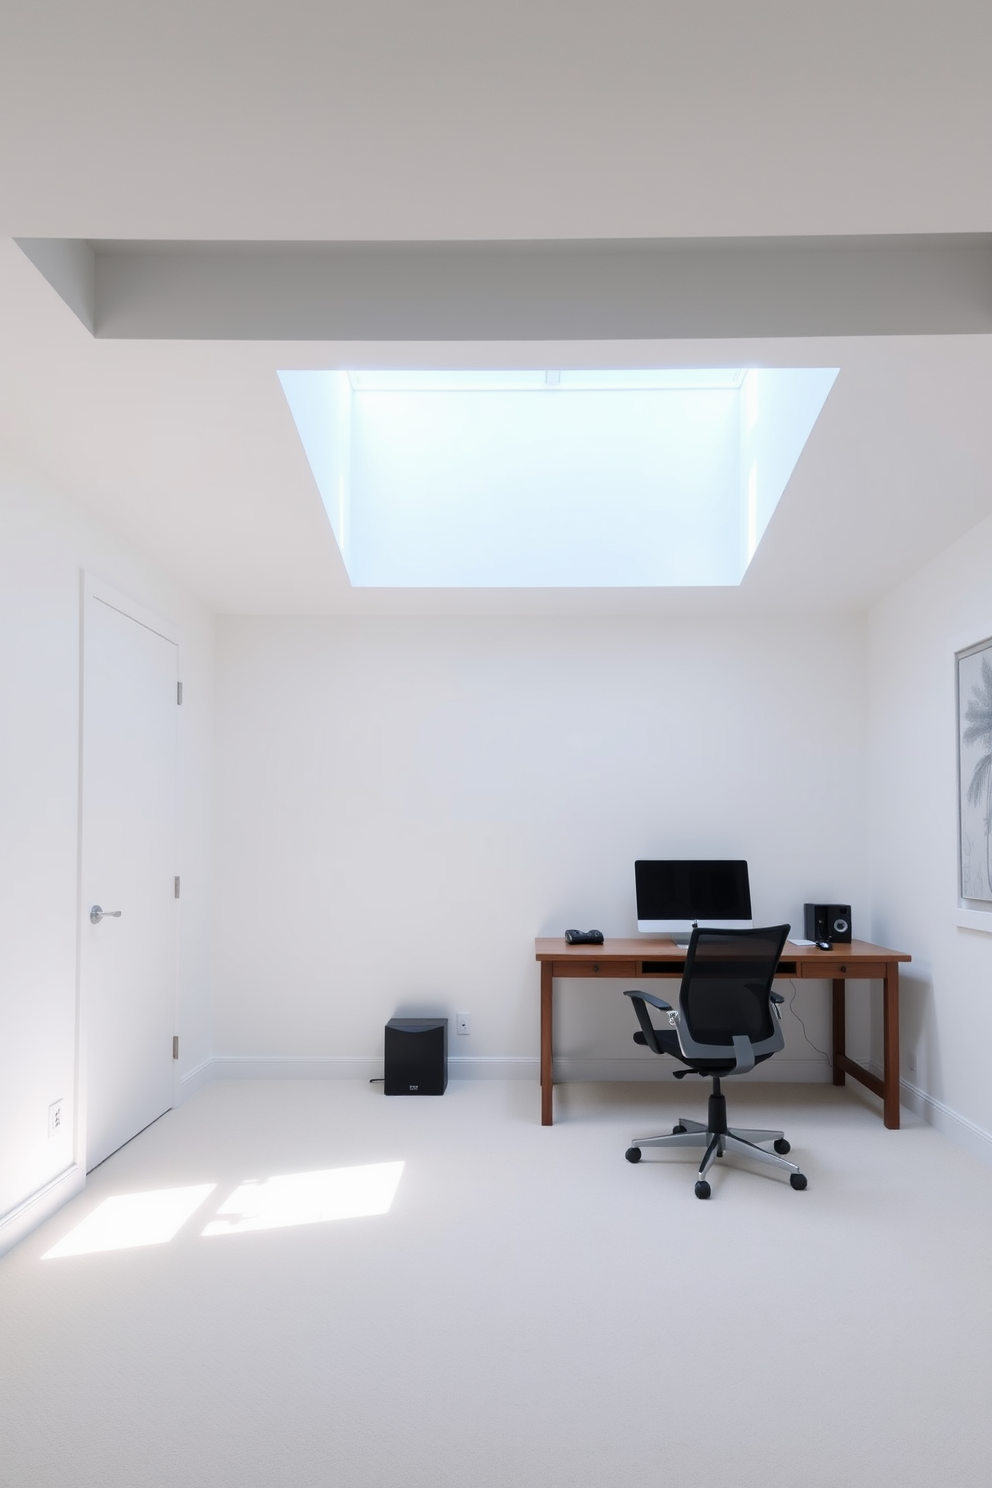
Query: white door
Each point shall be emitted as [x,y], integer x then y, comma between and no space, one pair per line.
[127,958]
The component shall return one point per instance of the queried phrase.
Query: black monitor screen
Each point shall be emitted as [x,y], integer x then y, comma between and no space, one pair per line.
[695,889]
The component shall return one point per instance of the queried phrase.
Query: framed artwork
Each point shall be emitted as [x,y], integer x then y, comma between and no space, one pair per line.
[974,703]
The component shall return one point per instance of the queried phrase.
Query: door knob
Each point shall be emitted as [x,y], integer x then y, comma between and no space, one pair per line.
[97,914]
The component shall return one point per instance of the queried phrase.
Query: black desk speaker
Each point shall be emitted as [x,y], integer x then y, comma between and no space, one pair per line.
[839,922]
[416,1061]
[827,922]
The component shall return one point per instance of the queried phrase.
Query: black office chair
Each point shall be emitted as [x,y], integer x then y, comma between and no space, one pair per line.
[727,1021]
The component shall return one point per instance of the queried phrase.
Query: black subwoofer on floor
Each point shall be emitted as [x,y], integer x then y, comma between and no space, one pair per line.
[416,1060]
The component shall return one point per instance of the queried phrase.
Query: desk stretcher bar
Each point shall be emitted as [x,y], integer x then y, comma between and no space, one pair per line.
[641,958]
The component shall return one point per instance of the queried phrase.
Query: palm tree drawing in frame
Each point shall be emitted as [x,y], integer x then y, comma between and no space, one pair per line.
[976,730]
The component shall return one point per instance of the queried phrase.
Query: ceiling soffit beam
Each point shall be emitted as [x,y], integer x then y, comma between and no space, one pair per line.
[532,291]
[69,265]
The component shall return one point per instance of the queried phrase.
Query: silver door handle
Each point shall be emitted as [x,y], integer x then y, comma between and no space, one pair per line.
[97,914]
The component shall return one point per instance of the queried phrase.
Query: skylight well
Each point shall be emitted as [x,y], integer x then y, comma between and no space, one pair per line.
[602,380]
[585,478]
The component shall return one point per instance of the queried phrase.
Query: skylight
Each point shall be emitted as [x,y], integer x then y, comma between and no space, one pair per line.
[553,477]
[501,382]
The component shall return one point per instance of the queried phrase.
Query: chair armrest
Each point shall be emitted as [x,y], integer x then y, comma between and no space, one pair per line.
[663,1007]
[648,1031]
[776,997]
[743,1055]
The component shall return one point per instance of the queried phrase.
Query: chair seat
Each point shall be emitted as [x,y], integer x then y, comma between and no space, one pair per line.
[668,1043]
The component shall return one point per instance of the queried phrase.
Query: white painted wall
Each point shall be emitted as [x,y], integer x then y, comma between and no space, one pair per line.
[947,992]
[404,804]
[45,541]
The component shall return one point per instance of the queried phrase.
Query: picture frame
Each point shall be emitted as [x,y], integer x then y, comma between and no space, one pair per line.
[973,694]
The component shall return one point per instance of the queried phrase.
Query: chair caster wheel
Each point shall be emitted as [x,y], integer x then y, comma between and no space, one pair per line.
[798,1180]
[782,1146]
[703,1189]
[633,1154]
[678,1130]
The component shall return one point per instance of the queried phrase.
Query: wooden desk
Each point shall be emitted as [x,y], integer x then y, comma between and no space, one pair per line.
[646,959]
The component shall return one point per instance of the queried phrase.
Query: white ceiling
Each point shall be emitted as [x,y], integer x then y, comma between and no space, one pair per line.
[458,121]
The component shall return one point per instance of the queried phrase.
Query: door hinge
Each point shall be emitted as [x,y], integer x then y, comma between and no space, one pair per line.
[179,694]
[175,1046]
[177,886]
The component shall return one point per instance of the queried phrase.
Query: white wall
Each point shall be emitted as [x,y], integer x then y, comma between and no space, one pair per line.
[404,804]
[947,991]
[45,542]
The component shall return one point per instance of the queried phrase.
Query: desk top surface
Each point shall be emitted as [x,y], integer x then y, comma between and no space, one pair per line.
[645,948]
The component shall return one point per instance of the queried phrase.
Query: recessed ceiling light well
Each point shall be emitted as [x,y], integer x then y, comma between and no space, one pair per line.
[578,478]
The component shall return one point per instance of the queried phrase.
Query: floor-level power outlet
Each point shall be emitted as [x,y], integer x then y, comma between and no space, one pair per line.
[462,1023]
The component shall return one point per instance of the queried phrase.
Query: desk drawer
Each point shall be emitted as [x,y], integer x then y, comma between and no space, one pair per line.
[853,969]
[594,968]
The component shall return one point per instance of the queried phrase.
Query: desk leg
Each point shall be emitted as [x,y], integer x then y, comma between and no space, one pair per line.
[890,1041]
[840,1029]
[547,1044]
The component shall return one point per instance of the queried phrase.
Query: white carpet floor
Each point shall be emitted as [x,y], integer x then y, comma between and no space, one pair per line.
[532,1310]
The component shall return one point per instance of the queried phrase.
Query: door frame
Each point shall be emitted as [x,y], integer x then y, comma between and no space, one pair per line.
[95,590]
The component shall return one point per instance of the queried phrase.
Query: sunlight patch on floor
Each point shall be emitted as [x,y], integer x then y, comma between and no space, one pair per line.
[308,1198]
[129,1220]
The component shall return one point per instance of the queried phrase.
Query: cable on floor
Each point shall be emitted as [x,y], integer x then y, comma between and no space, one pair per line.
[802,1025]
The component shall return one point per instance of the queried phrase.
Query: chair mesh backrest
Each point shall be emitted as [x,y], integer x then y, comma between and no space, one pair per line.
[727,981]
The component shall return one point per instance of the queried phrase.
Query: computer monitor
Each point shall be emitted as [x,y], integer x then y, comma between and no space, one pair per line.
[673,896]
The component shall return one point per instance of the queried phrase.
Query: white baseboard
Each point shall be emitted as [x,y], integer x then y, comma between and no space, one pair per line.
[195,1079]
[349,1067]
[781,1070]
[494,1067]
[951,1124]
[294,1067]
[633,1067]
[473,1067]
[33,1211]
[966,1134]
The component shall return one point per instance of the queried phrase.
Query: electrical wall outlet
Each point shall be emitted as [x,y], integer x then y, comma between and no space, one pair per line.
[911,1063]
[462,1023]
[55,1118]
